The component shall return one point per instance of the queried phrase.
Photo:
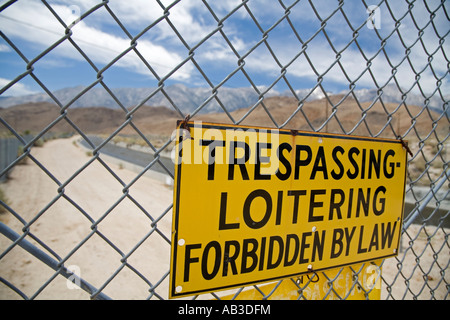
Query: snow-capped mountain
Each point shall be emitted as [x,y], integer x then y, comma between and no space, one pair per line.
[185,98]
[188,99]
[391,93]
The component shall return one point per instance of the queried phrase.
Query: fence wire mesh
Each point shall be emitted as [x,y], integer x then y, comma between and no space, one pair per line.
[74,216]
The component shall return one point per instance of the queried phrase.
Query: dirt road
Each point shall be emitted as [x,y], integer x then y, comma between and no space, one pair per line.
[63,227]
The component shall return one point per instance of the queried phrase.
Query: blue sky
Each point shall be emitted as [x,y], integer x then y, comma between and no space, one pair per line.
[33,28]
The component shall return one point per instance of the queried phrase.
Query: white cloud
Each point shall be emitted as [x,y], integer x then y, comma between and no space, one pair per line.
[34,23]
[163,49]
[18,89]
[4,48]
[187,16]
[355,65]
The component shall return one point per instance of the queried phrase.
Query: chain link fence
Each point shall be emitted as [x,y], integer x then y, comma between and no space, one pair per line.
[76,216]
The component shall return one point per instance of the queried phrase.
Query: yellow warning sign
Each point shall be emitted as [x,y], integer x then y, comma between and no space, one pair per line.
[254,204]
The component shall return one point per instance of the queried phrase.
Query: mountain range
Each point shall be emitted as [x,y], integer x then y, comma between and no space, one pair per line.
[161,121]
[187,99]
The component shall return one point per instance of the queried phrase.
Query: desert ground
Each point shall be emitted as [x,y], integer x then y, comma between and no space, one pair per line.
[63,227]
[126,240]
